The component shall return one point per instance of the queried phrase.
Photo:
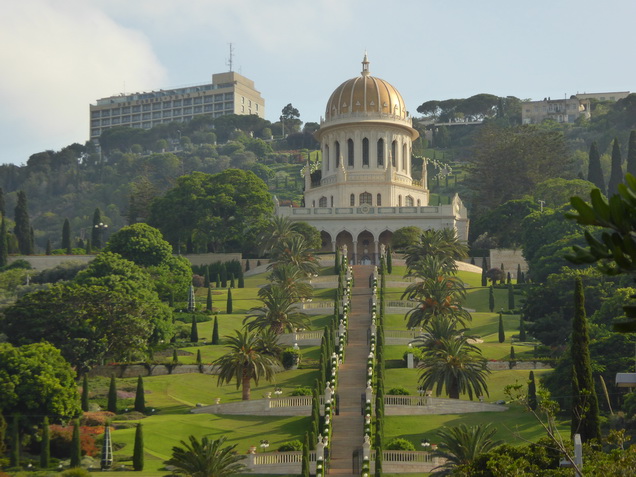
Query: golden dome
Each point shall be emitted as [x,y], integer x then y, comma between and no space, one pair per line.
[365,95]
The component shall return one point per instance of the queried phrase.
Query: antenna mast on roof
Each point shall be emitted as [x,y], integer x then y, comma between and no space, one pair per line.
[231,59]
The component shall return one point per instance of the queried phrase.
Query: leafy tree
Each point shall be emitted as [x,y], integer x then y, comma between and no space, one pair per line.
[405,236]
[14,457]
[455,366]
[85,393]
[310,233]
[76,446]
[279,312]
[66,237]
[206,458]
[140,401]
[245,362]
[45,444]
[175,357]
[215,331]
[461,445]
[616,172]
[111,406]
[595,172]
[502,333]
[138,450]
[140,244]
[37,381]
[585,413]
[22,228]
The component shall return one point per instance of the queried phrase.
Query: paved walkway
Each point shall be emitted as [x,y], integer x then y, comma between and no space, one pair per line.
[348,429]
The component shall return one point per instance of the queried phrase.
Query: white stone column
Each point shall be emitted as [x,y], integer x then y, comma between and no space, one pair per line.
[355,252]
[376,257]
[333,246]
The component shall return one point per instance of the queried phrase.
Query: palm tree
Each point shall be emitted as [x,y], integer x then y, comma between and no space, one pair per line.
[269,344]
[292,279]
[456,366]
[462,444]
[279,312]
[279,228]
[206,458]
[295,251]
[442,244]
[245,362]
[436,330]
[439,295]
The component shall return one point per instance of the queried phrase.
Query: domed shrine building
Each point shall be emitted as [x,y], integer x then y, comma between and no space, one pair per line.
[364,189]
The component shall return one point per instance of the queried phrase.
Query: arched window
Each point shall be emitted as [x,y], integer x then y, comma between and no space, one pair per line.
[366,198]
[380,152]
[322,202]
[399,201]
[337,154]
[393,152]
[378,200]
[404,157]
[365,152]
[408,201]
[352,200]
[350,152]
[326,157]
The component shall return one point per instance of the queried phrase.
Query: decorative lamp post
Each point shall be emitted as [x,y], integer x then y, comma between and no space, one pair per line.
[264,444]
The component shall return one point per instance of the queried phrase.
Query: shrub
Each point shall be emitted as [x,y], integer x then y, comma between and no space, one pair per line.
[76,472]
[294,445]
[400,444]
[98,418]
[399,391]
[301,391]
[61,440]
[290,358]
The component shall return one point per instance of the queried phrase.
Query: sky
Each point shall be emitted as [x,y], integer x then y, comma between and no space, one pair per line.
[59,56]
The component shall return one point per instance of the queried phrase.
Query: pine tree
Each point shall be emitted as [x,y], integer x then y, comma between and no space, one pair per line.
[194,331]
[511,297]
[594,170]
[215,331]
[631,154]
[66,237]
[96,230]
[532,393]
[85,393]
[228,308]
[585,412]
[45,445]
[76,446]
[616,172]
[22,228]
[208,303]
[502,333]
[138,451]
[4,246]
[491,298]
[140,401]
[206,278]
[112,396]
[522,329]
[14,457]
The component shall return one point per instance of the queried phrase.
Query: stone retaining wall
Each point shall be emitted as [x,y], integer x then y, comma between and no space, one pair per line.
[134,370]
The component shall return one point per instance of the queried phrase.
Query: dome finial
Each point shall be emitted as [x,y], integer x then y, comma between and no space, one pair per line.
[365,65]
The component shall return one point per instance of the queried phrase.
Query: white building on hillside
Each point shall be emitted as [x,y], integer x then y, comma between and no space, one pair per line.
[364,190]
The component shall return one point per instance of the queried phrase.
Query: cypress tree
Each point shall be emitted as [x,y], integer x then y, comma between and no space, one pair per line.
[472,260]
[223,272]
[305,462]
[484,269]
[532,392]
[508,278]
[66,237]
[22,228]
[378,454]
[502,333]
[232,281]
[89,246]
[45,445]
[389,261]
[585,412]
[518,273]
[76,446]
[241,282]
[511,297]
[315,413]
[616,172]
[138,451]
[522,329]
[512,353]
[208,303]
[112,396]
[194,330]
[594,170]
[4,246]
[206,278]
[140,401]
[491,298]
[32,239]
[14,457]
[96,231]
[336,265]
[215,331]
[631,154]
[85,393]
[3,210]
[49,248]
[199,360]
[228,308]
[247,265]
[217,281]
